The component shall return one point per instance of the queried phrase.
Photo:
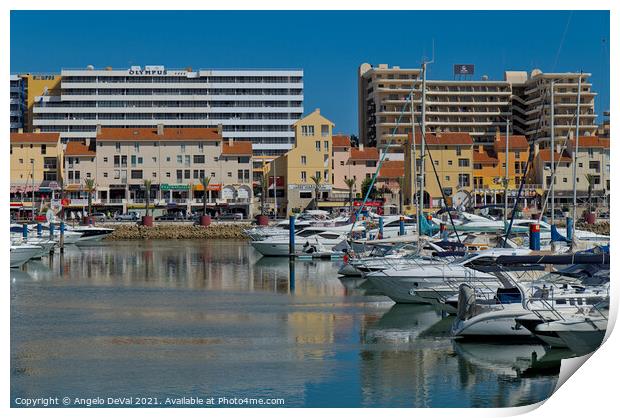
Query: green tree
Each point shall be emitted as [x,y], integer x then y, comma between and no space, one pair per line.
[89,185]
[350,184]
[205,183]
[317,184]
[366,185]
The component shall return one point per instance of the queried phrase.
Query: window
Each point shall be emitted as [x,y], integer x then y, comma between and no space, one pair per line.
[168,174]
[88,175]
[463,180]
[133,160]
[187,174]
[43,149]
[317,145]
[243,160]
[117,174]
[212,174]
[447,178]
[449,162]
[477,166]
[371,163]
[303,160]
[517,154]
[195,174]
[307,130]
[229,174]
[188,159]
[201,173]
[183,148]
[154,159]
[305,195]
[199,159]
[179,176]
[463,162]
[326,145]
[317,174]
[547,166]
[326,174]
[136,146]
[341,162]
[123,161]
[324,130]
[140,160]
[154,174]
[325,159]
[303,177]
[594,165]
[179,159]
[565,180]
[118,147]
[201,146]
[240,176]
[105,159]
[458,151]
[167,159]
[591,152]
[21,160]
[136,174]
[105,175]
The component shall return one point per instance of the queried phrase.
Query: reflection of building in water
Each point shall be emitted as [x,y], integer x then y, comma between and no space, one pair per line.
[310,332]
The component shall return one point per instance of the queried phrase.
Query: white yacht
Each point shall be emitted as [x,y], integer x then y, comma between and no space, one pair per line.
[279,246]
[20,254]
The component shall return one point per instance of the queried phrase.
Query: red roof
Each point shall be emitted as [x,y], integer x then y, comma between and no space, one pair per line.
[35,138]
[444,138]
[78,149]
[341,141]
[365,154]
[591,142]
[484,157]
[392,169]
[150,134]
[237,148]
[515,142]
[545,155]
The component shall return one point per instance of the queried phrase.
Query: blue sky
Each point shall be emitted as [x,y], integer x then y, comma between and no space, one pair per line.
[328,46]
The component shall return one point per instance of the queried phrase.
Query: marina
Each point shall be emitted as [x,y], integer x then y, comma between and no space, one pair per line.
[202,318]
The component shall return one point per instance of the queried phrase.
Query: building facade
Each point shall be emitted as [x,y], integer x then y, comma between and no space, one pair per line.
[476,107]
[310,158]
[255,105]
[17,103]
[348,162]
[452,157]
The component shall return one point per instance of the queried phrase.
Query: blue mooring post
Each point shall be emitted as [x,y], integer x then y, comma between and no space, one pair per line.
[39,230]
[381,227]
[62,237]
[51,230]
[569,229]
[25,231]
[291,236]
[401,226]
[535,237]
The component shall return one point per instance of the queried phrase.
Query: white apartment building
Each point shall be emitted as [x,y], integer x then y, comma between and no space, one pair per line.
[255,105]
[478,107]
[17,103]
[532,105]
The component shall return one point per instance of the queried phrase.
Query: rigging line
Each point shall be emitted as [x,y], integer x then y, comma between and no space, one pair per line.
[557,55]
[374,177]
[528,166]
[443,195]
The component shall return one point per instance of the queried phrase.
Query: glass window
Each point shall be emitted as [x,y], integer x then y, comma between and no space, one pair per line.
[324,130]
[136,174]
[317,144]
[303,160]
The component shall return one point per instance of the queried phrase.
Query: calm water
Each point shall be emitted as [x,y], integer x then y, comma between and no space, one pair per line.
[214,319]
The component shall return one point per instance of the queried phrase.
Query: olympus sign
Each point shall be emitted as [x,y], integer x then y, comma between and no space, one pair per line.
[147,72]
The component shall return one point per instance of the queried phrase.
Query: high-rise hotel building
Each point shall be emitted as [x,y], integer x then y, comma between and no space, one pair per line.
[477,107]
[254,105]
[17,103]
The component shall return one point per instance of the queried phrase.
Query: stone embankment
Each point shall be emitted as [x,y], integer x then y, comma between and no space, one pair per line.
[598,228]
[179,231]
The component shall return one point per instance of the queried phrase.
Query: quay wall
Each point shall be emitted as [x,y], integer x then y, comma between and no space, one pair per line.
[179,231]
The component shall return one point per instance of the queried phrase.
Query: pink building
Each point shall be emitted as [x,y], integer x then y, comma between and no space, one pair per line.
[349,162]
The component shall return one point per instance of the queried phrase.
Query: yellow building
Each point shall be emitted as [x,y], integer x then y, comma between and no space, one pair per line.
[490,169]
[310,157]
[36,162]
[452,156]
[38,85]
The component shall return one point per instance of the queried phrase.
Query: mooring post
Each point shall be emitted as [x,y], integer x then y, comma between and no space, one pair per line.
[291,236]
[62,237]
[534,237]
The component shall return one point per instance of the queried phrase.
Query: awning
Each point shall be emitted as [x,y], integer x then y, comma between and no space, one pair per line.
[73,188]
[212,187]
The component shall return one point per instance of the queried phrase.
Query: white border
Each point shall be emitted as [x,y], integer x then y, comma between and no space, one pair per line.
[593,389]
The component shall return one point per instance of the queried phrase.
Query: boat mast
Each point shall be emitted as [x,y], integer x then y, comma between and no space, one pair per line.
[413,162]
[506,178]
[575,151]
[552,110]
[423,147]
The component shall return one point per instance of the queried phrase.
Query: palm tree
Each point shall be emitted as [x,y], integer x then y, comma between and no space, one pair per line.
[89,185]
[205,183]
[590,180]
[350,184]
[317,184]
[147,187]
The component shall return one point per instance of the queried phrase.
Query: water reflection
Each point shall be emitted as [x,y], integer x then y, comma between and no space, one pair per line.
[204,318]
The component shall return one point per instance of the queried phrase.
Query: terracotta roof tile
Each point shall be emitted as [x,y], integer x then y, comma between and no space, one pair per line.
[392,169]
[515,142]
[341,141]
[365,154]
[591,142]
[545,155]
[78,149]
[150,134]
[237,148]
[484,157]
[35,138]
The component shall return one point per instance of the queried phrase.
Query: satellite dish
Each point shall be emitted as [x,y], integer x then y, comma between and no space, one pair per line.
[90,67]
